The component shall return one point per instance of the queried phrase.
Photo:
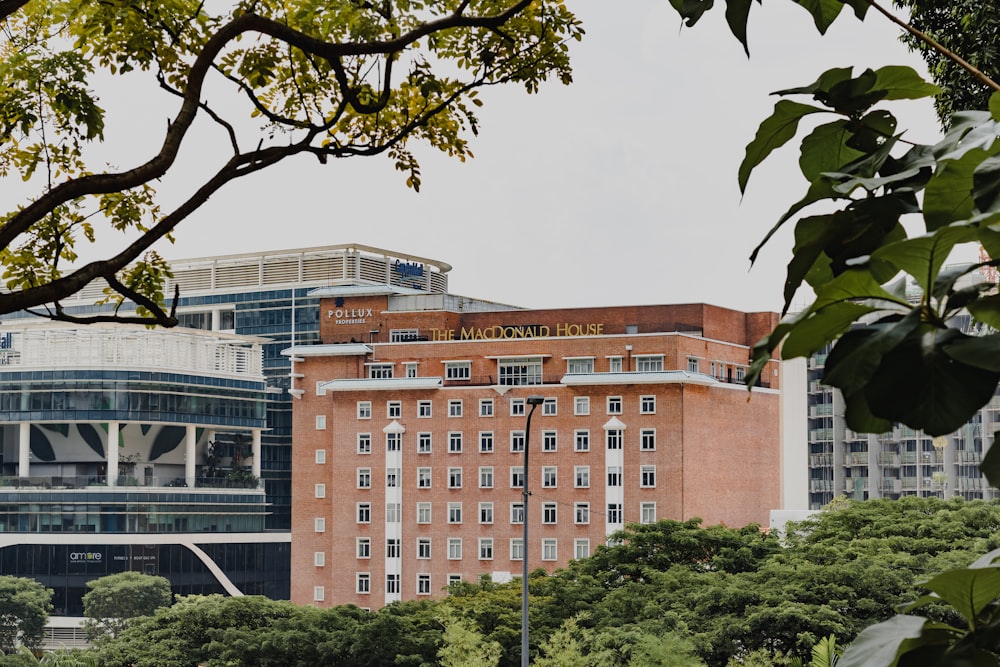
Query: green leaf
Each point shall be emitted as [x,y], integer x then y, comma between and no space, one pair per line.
[881,645]
[977,351]
[826,149]
[922,257]
[995,106]
[821,327]
[986,310]
[824,12]
[773,133]
[858,356]
[986,184]
[990,466]
[823,84]
[737,15]
[903,83]
[818,191]
[691,10]
[948,195]
[968,590]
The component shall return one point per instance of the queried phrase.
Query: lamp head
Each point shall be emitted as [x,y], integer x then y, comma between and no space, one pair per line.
[535,400]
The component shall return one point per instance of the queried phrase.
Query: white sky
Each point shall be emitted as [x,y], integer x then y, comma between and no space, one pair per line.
[619,189]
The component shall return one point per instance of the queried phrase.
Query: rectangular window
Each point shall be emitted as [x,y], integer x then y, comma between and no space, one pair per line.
[364,512]
[320,422]
[393,409]
[485,407]
[403,335]
[550,407]
[519,371]
[581,476]
[486,513]
[581,548]
[517,441]
[455,443]
[517,512]
[454,512]
[614,405]
[363,547]
[741,374]
[614,438]
[581,405]
[364,443]
[364,409]
[319,524]
[486,442]
[454,548]
[485,548]
[423,443]
[454,579]
[614,513]
[423,478]
[423,584]
[549,549]
[455,408]
[614,476]
[517,407]
[486,477]
[454,478]
[392,583]
[651,363]
[320,491]
[320,456]
[581,440]
[364,478]
[319,558]
[549,477]
[423,512]
[647,439]
[516,548]
[647,478]
[549,441]
[412,369]
[423,548]
[392,548]
[393,513]
[424,409]
[692,364]
[516,477]
[576,366]
[614,364]
[581,513]
[393,442]
[391,478]
[319,593]
[363,582]
[457,370]
[548,512]
[647,405]
[647,513]
[380,371]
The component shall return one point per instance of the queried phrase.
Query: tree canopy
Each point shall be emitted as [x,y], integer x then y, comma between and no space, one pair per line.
[114,600]
[24,609]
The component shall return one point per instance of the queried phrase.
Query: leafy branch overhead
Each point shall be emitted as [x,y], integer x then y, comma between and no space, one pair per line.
[331,80]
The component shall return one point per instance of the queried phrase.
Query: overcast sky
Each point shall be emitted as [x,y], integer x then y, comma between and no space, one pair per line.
[619,189]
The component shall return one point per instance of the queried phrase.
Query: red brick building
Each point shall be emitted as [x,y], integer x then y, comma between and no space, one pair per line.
[409,432]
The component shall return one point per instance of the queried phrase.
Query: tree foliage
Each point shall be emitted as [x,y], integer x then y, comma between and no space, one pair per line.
[328,80]
[113,601]
[24,609]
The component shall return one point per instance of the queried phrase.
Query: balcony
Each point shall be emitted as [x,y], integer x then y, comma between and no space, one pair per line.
[852,484]
[820,485]
[821,410]
[856,459]
[970,456]
[820,460]
[888,459]
[229,481]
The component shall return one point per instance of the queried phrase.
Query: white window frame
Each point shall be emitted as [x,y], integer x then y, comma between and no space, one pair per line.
[486,407]
[485,477]
[485,548]
[615,514]
[379,370]
[550,513]
[455,513]
[454,548]
[614,476]
[392,478]
[581,548]
[454,478]
[517,513]
[517,441]
[486,442]
[581,406]
[614,405]
[362,583]
[319,457]
[647,440]
[455,407]
[613,438]
[550,477]
[320,422]
[516,476]
[615,364]
[581,513]
[458,370]
[424,548]
[649,363]
[486,513]
[424,513]
[581,440]
[517,407]
[319,593]
[647,512]
[647,476]
[319,524]
[550,549]
[455,442]
[392,584]
[364,478]
[319,558]
[424,478]
[647,405]
[363,548]
[423,584]
[550,407]
[363,512]
[550,441]
[364,443]
[581,477]
[425,409]
[393,547]
[516,548]
[424,443]
[393,409]
[579,365]
[364,409]
[320,490]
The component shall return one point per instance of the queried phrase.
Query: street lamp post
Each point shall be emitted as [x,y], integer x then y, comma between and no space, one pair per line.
[534,402]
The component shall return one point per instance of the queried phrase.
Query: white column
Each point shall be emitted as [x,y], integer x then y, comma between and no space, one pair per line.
[24,449]
[111,448]
[190,457]
[255,453]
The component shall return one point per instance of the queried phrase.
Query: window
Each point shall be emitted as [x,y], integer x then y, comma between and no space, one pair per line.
[454,478]
[581,548]
[423,478]
[320,422]
[457,370]
[581,513]
[614,438]
[647,405]
[391,478]
[412,369]
[548,549]
[454,512]
[393,513]
[517,441]
[485,548]
[392,548]
[380,371]
[581,476]
[364,478]
[486,513]
[319,593]
[363,547]
[423,443]
[647,513]
[548,512]
[423,409]
[423,584]
[485,407]
[320,491]
[651,363]
[403,335]
[454,579]
[364,512]
[614,476]
[581,440]
[741,373]
[364,443]
[614,405]
[319,558]
[455,443]
[363,583]
[574,366]
[393,409]
[614,364]
[455,408]
[320,456]
[581,405]
[454,548]
[423,548]
[517,512]
[516,548]
[517,407]
[692,364]
[550,406]
[486,442]
[614,512]
[516,477]
[486,477]
[647,439]
[423,512]
[392,583]
[319,524]
[647,477]
[548,441]
[393,442]
[520,371]
[549,477]
[364,409]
